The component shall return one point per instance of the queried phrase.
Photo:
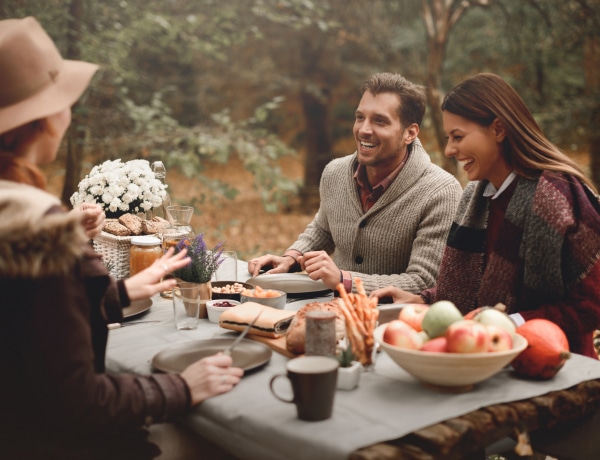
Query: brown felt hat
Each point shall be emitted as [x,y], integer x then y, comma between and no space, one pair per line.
[35,81]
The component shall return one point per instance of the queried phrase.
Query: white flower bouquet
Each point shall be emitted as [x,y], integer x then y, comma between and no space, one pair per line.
[121,188]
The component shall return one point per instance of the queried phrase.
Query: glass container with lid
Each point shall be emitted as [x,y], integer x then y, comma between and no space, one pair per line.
[144,251]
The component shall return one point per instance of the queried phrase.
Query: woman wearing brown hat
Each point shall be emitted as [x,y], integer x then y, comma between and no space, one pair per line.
[57,297]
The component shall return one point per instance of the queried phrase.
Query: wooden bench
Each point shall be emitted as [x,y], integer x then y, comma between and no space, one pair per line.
[555,423]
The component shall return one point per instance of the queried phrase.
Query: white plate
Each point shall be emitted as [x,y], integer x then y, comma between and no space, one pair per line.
[291,283]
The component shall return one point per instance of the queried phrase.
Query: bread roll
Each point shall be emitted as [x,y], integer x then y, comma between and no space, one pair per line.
[113,227]
[132,222]
[150,227]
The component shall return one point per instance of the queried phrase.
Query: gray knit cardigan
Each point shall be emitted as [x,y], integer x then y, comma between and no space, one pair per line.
[400,240]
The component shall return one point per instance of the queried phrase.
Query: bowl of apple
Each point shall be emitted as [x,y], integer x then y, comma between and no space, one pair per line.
[447,351]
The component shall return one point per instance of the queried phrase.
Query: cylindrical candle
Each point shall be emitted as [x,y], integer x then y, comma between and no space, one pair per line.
[320,333]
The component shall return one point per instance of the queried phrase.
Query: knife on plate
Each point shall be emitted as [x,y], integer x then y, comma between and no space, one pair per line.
[130,323]
[230,348]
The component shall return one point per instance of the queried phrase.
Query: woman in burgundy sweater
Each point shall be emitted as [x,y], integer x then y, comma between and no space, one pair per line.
[527,230]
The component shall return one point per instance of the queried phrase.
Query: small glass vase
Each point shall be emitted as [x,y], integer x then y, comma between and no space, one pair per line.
[205,294]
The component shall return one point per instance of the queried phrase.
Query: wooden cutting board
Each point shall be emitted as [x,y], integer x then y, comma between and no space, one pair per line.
[278,344]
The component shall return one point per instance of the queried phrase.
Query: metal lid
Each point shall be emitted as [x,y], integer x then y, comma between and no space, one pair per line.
[145,240]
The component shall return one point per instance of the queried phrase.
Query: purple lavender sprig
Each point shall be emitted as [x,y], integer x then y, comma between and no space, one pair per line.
[204,262]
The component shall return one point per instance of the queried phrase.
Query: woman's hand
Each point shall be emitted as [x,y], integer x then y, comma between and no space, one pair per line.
[92,218]
[397,294]
[148,282]
[211,376]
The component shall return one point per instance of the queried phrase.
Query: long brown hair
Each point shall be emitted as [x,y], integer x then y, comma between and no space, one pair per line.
[13,167]
[485,97]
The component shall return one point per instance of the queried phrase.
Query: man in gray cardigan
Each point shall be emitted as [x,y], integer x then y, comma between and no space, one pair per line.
[385,210]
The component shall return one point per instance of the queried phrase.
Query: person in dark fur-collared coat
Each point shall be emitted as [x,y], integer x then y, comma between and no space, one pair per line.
[56,401]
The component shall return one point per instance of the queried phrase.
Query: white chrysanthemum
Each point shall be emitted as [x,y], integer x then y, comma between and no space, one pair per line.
[121,187]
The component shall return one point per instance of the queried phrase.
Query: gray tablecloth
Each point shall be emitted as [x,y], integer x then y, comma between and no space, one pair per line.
[251,423]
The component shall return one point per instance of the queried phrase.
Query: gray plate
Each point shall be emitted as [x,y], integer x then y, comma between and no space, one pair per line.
[248,354]
[136,308]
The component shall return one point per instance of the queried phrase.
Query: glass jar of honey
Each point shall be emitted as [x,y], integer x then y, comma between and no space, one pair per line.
[144,251]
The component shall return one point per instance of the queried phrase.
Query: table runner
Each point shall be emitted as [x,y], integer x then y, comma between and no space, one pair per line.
[388,404]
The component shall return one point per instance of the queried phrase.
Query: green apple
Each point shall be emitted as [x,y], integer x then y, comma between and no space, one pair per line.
[439,316]
[491,316]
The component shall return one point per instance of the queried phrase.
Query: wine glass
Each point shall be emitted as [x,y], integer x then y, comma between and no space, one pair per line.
[179,228]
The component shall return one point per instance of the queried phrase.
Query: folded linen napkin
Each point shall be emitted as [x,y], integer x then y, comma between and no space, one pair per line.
[272,322]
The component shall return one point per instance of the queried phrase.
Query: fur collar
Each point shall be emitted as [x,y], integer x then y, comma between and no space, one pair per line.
[33,242]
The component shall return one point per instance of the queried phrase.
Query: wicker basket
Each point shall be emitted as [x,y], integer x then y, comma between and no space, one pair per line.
[115,253]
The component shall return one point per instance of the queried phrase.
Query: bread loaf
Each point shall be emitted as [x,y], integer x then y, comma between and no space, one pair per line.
[160,220]
[113,227]
[296,333]
[150,227]
[132,222]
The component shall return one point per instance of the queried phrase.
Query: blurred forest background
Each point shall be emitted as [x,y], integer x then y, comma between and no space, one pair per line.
[245,101]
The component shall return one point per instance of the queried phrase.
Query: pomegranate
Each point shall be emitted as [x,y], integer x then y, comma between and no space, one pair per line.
[546,352]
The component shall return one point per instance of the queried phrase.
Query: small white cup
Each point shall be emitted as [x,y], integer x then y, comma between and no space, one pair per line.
[215,308]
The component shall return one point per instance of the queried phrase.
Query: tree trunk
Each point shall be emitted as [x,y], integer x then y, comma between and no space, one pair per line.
[75,135]
[436,15]
[591,60]
[435,62]
[439,17]
[318,143]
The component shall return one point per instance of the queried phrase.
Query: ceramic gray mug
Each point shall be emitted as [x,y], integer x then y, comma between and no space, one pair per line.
[313,380]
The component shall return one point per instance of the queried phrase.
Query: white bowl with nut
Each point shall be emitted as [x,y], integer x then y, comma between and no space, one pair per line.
[216,307]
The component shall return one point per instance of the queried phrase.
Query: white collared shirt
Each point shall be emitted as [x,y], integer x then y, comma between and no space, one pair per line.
[490,190]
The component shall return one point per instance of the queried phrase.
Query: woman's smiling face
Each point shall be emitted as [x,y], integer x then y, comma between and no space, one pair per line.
[477,148]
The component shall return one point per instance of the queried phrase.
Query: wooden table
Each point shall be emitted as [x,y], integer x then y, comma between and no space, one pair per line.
[559,422]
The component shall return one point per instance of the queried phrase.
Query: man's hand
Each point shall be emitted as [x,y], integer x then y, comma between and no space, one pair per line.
[279,264]
[319,266]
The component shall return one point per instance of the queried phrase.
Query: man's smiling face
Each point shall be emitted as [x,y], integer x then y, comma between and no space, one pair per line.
[381,140]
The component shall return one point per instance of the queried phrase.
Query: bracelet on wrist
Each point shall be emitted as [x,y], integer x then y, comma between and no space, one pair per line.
[296,264]
[289,255]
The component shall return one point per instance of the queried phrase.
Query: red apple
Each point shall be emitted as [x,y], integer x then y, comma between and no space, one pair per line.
[439,344]
[400,334]
[467,336]
[412,314]
[500,339]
